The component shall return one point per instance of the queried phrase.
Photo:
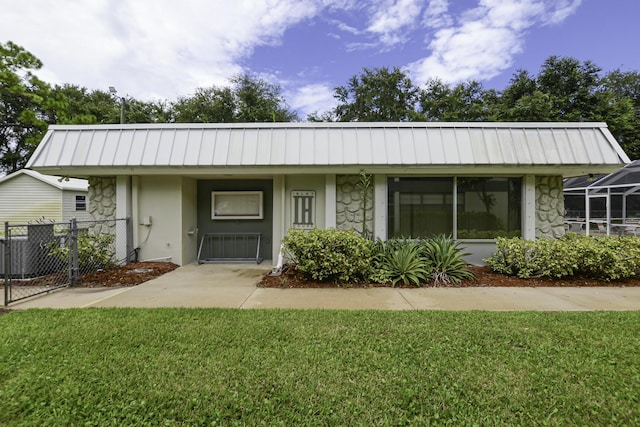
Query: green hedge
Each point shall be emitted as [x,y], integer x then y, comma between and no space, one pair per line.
[330,255]
[606,258]
[344,257]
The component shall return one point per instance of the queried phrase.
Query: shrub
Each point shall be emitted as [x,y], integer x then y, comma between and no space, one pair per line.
[95,252]
[513,257]
[445,257]
[606,258]
[330,255]
[400,261]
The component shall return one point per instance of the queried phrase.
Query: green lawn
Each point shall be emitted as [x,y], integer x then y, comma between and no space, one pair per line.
[277,367]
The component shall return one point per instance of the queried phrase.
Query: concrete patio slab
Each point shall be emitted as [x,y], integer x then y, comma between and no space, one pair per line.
[206,285]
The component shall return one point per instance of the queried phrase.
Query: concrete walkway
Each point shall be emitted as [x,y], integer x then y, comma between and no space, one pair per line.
[234,286]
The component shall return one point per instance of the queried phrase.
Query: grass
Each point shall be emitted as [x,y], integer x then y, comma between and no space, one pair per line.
[286,367]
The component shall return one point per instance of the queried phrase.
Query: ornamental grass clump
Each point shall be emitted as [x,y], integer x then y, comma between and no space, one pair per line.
[438,261]
[446,259]
[400,261]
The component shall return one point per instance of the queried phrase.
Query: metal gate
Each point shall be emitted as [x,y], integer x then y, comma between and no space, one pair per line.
[44,256]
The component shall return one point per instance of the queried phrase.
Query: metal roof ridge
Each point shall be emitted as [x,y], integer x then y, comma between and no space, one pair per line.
[329,125]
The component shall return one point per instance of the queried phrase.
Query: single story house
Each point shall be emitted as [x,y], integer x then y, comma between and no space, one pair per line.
[28,196]
[184,183]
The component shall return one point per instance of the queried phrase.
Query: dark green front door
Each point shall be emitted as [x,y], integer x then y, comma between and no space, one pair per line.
[263,226]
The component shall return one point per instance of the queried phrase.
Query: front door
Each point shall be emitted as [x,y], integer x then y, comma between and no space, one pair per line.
[239,208]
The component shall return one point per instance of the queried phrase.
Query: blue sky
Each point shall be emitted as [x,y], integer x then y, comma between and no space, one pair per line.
[163,49]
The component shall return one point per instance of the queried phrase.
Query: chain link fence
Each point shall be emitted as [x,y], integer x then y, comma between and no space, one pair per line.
[43,256]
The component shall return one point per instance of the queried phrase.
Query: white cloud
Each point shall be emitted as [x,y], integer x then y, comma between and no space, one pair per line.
[563,9]
[391,18]
[317,97]
[437,14]
[165,49]
[148,48]
[485,39]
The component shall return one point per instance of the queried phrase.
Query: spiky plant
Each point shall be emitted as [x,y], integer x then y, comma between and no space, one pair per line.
[446,259]
[404,263]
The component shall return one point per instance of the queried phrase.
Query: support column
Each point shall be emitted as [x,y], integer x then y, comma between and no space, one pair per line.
[123,210]
[279,215]
[380,206]
[529,207]
[330,201]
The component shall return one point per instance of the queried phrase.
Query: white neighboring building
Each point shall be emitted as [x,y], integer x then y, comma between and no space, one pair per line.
[27,196]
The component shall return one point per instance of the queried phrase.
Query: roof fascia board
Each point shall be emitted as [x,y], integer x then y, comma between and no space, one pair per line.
[489,170]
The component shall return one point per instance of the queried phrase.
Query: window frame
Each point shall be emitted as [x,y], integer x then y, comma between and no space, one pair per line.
[253,214]
[455,201]
[80,206]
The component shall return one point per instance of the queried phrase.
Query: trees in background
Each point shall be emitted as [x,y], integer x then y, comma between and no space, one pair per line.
[28,105]
[22,97]
[377,95]
[565,89]
[248,99]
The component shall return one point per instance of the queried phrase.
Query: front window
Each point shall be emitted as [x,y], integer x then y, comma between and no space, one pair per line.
[489,207]
[484,208]
[420,207]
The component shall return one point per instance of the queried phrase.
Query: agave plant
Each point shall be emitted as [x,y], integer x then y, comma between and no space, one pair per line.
[446,259]
[403,263]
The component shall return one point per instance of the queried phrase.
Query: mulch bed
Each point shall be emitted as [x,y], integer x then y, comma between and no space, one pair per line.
[129,275]
[484,277]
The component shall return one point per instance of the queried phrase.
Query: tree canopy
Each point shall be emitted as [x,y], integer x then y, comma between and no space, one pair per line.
[248,99]
[377,95]
[22,97]
[564,89]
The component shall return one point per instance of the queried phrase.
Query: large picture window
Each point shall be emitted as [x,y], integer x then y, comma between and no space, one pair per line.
[490,207]
[420,207]
[483,208]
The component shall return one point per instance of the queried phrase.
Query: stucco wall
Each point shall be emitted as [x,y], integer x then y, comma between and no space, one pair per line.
[349,212]
[549,207]
[102,202]
[189,220]
[160,200]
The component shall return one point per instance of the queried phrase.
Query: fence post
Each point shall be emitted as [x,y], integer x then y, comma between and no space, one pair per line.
[7,262]
[74,269]
[129,237]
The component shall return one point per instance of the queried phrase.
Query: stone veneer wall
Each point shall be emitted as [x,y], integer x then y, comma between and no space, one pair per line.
[549,207]
[102,202]
[349,214]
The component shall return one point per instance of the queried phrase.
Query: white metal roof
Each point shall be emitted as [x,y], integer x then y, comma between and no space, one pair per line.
[62,183]
[269,145]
